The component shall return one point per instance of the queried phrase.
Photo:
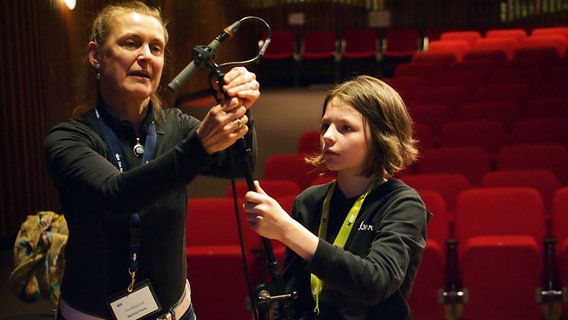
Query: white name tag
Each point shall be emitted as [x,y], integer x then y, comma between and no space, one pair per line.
[135,305]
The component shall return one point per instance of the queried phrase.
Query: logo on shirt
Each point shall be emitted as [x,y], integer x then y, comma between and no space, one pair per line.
[365,227]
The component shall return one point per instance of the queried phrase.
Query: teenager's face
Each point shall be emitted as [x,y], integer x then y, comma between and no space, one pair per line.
[132,58]
[345,147]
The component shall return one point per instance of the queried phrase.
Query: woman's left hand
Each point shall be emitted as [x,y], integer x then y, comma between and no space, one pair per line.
[241,83]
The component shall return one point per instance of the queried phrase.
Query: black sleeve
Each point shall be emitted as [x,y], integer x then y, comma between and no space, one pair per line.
[81,164]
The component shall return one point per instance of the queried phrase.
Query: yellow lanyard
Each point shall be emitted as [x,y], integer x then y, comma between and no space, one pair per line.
[315,282]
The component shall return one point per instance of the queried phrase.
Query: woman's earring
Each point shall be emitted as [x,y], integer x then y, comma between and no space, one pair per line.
[98,67]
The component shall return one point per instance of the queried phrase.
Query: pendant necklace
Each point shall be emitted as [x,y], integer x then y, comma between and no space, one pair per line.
[138,148]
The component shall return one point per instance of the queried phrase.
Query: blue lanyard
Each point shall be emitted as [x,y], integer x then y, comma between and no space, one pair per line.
[112,140]
[134,221]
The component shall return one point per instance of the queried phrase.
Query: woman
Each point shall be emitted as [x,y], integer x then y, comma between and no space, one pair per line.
[354,244]
[121,169]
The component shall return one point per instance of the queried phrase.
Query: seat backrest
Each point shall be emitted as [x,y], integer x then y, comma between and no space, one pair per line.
[560,215]
[309,142]
[517,92]
[517,34]
[439,225]
[451,95]
[506,111]
[472,162]
[544,181]
[541,130]
[405,85]
[438,57]
[499,211]
[507,45]
[552,88]
[291,167]
[429,280]
[497,56]
[554,107]
[211,221]
[424,70]
[558,42]
[531,75]
[544,31]
[405,39]
[319,42]
[469,79]
[433,115]
[480,65]
[281,41]
[471,36]
[536,54]
[455,47]
[547,156]
[491,135]
[448,185]
[425,136]
[360,40]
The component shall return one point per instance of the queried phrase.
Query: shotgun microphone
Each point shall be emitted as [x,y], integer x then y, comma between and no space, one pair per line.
[202,54]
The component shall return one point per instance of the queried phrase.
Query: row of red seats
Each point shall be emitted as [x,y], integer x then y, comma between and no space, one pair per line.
[508,112]
[467,85]
[499,233]
[420,83]
[492,261]
[507,203]
[400,43]
[508,41]
[491,134]
[317,53]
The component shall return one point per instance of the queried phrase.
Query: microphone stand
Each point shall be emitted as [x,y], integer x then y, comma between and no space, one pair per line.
[265,293]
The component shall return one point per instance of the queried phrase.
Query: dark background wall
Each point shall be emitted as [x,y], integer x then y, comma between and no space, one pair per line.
[43,62]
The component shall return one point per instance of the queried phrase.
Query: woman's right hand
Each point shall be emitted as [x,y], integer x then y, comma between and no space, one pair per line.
[225,124]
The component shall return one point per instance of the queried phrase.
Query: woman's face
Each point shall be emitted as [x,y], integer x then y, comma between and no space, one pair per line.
[345,147]
[132,58]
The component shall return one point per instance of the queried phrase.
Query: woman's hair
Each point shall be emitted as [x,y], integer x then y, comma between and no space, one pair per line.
[392,144]
[99,34]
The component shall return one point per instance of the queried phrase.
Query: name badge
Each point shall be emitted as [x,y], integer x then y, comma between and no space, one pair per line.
[137,304]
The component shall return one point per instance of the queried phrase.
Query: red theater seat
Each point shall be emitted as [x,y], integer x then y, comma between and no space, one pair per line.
[560,231]
[449,185]
[499,233]
[541,130]
[291,167]
[429,280]
[214,259]
[309,142]
[501,276]
[506,111]
[547,156]
[491,135]
[544,181]
[472,162]
[471,36]
[456,47]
